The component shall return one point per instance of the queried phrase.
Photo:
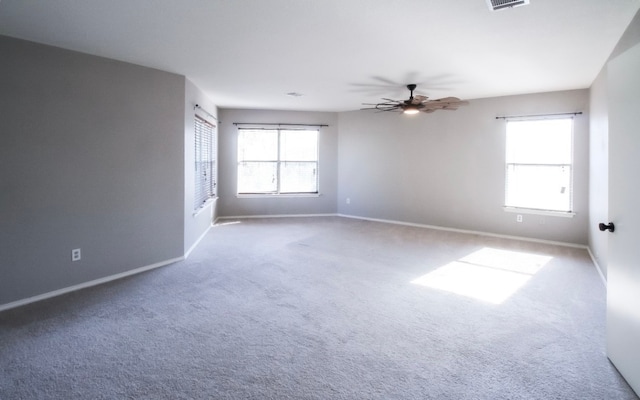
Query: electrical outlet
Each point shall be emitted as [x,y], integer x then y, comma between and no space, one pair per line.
[76,255]
[348,200]
[519,218]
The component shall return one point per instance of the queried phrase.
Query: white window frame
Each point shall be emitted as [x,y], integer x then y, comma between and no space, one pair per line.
[278,192]
[205,163]
[531,210]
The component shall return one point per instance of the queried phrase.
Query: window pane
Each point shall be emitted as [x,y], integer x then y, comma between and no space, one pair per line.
[540,141]
[298,177]
[277,161]
[257,177]
[299,145]
[257,145]
[539,187]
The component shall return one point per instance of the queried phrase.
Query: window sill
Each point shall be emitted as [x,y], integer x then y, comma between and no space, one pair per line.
[275,195]
[563,214]
[205,206]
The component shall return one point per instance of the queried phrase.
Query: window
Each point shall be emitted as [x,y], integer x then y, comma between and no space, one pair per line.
[205,162]
[277,161]
[539,164]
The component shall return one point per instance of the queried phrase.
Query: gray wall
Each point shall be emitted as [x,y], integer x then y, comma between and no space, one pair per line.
[91,157]
[230,205]
[447,168]
[194,224]
[97,154]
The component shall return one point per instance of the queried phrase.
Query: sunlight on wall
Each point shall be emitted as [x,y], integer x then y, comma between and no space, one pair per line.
[490,275]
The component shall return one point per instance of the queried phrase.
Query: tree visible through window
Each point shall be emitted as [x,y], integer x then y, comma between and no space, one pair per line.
[277,161]
[539,170]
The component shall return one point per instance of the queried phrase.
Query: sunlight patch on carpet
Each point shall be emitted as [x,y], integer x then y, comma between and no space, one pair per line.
[490,275]
[227,223]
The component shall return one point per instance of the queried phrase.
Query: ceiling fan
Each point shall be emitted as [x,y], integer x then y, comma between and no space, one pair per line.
[416,103]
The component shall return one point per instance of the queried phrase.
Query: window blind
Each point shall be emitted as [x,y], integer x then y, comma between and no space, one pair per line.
[205,162]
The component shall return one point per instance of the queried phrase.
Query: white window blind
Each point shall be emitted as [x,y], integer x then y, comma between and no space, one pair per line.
[277,161]
[205,162]
[539,164]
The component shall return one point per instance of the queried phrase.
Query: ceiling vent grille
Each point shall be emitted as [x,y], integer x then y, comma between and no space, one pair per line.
[495,5]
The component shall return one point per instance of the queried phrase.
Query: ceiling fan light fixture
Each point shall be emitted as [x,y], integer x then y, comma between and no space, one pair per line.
[416,104]
[411,110]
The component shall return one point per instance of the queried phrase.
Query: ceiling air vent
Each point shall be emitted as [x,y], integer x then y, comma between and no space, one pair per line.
[495,5]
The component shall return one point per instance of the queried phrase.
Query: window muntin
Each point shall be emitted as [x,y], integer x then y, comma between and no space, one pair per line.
[205,162]
[277,161]
[539,170]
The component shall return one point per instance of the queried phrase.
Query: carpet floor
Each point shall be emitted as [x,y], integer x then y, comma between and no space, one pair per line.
[325,308]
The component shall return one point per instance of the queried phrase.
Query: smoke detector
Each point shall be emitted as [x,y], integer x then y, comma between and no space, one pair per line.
[495,5]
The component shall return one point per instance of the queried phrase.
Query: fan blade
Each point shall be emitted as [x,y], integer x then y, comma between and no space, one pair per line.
[433,107]
[445,103]
[452,100]
[433,104]
[376,107]
[418,102]
[386,104]
[377,110]
[448,99]
[382,106]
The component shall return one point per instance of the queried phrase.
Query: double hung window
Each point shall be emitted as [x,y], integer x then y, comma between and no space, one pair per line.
[539,164]
[277,161]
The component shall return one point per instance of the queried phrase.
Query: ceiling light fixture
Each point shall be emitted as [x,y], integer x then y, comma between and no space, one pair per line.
[411,110]
[416,103]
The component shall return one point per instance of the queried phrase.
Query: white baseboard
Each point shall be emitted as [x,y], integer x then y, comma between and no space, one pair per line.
[197,242]
[85,285]
[387,221]
[442,228]
[110,278]
[100,281]
[595,263]
[276,216]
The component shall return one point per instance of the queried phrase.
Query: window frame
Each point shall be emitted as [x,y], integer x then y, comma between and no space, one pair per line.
[279,161]
[541,211]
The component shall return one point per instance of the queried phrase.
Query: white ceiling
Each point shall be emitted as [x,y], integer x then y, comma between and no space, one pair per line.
[337,53]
